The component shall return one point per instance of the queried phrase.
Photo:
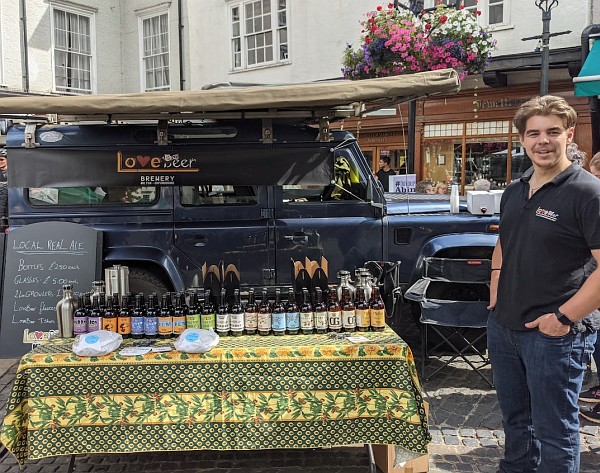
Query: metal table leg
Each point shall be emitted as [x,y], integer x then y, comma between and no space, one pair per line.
[372,465]
[71,464]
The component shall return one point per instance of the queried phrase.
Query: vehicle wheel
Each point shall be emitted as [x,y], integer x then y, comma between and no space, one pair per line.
[142,280]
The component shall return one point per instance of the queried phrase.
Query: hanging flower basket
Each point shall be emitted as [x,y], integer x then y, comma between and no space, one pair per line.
[396,41]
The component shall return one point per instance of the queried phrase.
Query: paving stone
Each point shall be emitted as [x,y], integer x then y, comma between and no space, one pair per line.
[486,442]
[484,433]
[467,432]
[470,442]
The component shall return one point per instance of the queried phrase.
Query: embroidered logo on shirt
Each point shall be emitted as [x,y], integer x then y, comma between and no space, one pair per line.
[547,214]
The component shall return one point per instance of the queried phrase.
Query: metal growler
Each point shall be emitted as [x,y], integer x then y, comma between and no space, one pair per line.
[65,309]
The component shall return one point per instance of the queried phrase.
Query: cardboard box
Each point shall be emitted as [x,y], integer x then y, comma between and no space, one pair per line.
[481,202]
[497,196]
[385,456]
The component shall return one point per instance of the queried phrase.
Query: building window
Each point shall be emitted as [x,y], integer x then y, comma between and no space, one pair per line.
[259,33]
[155,53]
[72,51]
[493,12]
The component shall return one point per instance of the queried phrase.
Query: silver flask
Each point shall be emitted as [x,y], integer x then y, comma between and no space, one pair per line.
[65,309]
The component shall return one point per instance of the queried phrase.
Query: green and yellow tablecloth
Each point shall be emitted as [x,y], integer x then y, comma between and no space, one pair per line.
[250,392]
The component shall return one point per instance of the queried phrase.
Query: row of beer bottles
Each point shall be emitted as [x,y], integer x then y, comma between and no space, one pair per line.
[141,320]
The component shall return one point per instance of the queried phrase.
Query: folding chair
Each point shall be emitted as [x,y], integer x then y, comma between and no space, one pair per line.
[454,295]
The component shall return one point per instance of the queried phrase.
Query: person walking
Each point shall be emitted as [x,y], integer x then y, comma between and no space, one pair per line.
[544,292]
[384,173]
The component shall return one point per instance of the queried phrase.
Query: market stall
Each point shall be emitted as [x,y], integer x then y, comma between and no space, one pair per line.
[247,393]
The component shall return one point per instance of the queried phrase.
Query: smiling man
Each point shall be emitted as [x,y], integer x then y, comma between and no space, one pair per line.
[544,293]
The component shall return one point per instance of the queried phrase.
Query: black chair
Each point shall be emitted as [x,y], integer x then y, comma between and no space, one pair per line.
[453,295]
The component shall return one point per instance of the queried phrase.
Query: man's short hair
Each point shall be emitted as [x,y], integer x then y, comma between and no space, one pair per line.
[385,159]
[421,187]
[482,185]
[595,161]
[544,106]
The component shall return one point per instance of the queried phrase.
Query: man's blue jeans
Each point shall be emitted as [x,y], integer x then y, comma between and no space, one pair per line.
[538,379]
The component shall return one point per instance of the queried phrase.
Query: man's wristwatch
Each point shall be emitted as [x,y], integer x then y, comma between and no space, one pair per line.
[563,319]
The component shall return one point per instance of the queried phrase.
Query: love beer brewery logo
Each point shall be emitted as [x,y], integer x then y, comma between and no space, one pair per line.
[168,164]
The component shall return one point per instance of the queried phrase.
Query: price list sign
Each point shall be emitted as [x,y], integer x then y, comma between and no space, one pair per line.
[39,259]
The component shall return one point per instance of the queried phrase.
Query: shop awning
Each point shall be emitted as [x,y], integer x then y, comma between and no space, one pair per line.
[587,83]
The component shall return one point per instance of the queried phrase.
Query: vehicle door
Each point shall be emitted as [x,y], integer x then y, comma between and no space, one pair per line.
[224,225]
[335,221]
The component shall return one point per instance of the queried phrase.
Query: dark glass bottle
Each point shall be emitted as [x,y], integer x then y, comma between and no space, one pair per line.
[192,319]
[95,318]
[165,318]
[124,319]
[278,315]
[363,313]
[307,315]
[292,313]
[80,317]
[264,314]
[250,315]
[137,317]
[334,312]
[377,311]
[179,317]
[223,320]
[109,318]
[151,317]
[348,311]
[321,323]
[236,315]
[207,316]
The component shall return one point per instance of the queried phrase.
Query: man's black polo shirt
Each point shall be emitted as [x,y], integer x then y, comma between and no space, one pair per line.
[546,243]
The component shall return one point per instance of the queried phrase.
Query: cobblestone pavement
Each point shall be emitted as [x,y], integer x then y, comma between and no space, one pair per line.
[465,424]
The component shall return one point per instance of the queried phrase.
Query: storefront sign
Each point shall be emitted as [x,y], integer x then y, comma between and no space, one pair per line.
[501,103]
[39,259]
[403,183]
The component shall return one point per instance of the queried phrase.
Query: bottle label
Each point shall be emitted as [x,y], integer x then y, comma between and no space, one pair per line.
[278,322]
[363,318]
[237,322]
[264,321]
[207,321]
[94,323]
[193,321]
[165,325]
[307,320]
[378,317]
[178,325]
[321,320]
[137,325]
[250,320]
[124,325]
[292,320]
[334,319]
[223,323]
[109,323]
[349,318]
[79,325]
[150,325]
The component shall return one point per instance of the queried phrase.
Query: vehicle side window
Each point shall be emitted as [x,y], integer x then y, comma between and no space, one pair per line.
[218,195]
[55,196]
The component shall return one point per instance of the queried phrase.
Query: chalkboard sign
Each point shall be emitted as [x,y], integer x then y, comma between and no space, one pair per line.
[40,258]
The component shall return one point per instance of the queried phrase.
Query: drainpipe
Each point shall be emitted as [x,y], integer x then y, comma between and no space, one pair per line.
[180,35]
[24,46]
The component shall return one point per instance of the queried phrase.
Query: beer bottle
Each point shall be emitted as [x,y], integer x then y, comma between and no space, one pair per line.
[109,319]
[192,319]
[207,316]
[307,316]
[151,318]
[321,323]
[292,313]
[278,315]
[377,311]
[124,319]
[95,318]
[250,315]
[181,311]
[348,311]
[363,313]
[223,320]
[334,312]
[165,318]
[264,314]
[80,317]
[236,315]
[137,317]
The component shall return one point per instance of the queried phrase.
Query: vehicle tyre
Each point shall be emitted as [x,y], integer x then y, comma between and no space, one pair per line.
[142,280]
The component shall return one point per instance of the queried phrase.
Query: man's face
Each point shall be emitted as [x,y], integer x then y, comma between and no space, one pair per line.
[545,140]
[429,189]
[381,164]
[3,162]
[595,171]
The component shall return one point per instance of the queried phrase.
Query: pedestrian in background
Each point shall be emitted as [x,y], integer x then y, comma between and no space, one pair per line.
[544,294]
[384,173]
[3,165]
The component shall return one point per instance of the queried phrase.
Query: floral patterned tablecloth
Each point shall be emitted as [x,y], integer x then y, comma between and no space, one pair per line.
[251,392]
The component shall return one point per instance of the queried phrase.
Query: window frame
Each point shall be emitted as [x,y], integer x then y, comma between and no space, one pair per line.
[148,15]
[91,16]
[483,6]
[238,43]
